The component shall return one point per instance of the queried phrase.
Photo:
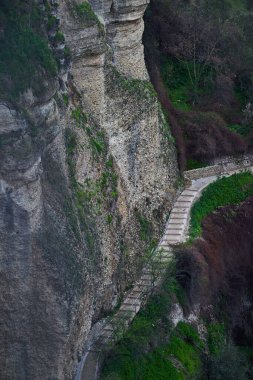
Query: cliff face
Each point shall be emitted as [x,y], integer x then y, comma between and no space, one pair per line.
[87,177]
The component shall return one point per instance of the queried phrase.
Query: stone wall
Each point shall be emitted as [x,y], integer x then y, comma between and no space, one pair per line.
[220,166]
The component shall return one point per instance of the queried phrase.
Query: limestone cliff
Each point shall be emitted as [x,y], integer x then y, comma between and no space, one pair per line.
[88,174]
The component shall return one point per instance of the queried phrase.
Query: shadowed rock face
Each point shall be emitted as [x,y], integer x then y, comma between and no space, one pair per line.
[219,268]
[59,274]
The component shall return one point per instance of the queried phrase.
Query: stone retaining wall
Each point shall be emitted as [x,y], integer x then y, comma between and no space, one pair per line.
[220,166]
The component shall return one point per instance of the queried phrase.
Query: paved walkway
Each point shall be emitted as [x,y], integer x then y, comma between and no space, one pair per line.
[175,232]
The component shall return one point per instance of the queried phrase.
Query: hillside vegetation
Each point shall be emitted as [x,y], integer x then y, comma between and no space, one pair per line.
[26,59]
[203,53]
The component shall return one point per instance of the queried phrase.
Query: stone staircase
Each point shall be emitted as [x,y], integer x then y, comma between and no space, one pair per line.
[175,233]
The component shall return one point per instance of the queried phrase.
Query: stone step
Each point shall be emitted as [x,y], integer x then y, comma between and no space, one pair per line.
[124,314]
[171,237]
[181,218]
[143,285]
[177,227]
[132,302]
[146,277]
[162,258]
[189,193]
[146,283]
[180,209]
[173,232]
[162,261]
[135,291]
[169,243]
[165,249]
[186,199]
[135,296]
[175,214]
[182,204]
[130,308]
[106,333]
[108,327]
[174,222]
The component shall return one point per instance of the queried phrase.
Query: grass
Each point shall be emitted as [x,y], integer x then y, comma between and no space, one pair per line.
[216,337]
[242,130]
[84,13]
[25,56]
[140,88]
[135,357]
[96,137]
[155,350]
[194,164]
[225,191]
[177,80]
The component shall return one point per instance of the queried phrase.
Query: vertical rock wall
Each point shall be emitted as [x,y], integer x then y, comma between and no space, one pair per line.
[85,188]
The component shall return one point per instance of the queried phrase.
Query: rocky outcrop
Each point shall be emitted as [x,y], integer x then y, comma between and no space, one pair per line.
[88,176]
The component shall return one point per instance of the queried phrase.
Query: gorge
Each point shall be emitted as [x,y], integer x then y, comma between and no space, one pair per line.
[92,157]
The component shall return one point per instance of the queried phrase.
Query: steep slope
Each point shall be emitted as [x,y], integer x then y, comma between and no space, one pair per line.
[88,174]
[198,57]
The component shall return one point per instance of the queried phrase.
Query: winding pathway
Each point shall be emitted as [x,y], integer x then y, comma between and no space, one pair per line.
[110,330]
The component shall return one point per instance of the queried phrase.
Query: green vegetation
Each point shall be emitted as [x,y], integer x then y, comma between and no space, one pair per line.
[65,99]
[225,191]
[145,228]
[96,137]
[178,79]
[59,37]
[194,164]
[140,88]
[25,56]
[146,234]
[151,348]
[85,15]
[164,125]
[240,129]
[216,337]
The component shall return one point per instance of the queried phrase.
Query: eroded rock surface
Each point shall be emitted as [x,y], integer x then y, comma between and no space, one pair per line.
[81,197]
